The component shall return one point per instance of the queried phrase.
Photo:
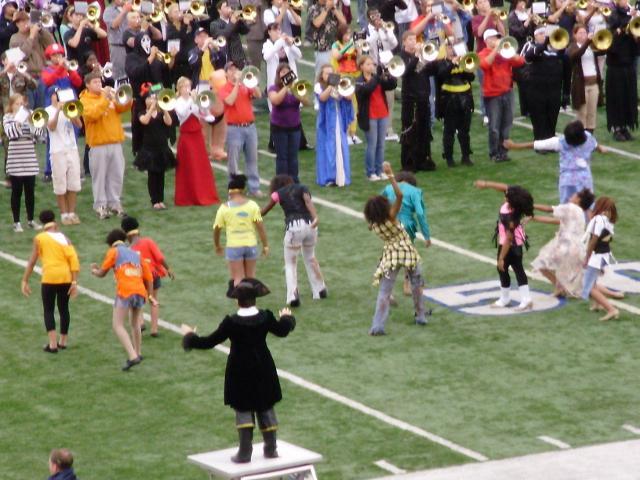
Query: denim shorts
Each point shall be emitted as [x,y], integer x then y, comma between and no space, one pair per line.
[590,277]
[134,301]
[241,253]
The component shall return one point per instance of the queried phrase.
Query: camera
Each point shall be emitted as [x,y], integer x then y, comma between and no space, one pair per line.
[334,79]
[359,36]
[289,78]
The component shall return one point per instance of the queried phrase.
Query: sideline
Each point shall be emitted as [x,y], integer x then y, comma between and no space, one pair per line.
[301,382]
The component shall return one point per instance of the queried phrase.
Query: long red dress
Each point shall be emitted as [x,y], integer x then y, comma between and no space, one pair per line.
[195,183]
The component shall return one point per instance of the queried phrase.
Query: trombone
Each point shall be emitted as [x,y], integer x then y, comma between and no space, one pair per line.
[250,77]
[39,118]
[166,100]
[72,109]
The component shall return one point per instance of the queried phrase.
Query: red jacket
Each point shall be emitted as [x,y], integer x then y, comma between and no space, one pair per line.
[52,74]
[498,77]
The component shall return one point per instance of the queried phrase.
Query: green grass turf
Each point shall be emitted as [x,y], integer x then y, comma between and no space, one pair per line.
[492,384]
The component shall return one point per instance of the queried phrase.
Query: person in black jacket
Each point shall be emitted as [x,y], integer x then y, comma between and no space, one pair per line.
[230,25]
[373,112]
[217,55]
[61,465]
[181,27]
[415,138]
[251,385]
[549,77]
[455,106]
[7,26]
[621,83]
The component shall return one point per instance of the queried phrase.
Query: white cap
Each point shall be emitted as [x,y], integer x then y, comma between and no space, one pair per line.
[490,32]
[542,29]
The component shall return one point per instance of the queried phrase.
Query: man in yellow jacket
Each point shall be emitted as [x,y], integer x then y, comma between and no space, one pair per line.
[104,134]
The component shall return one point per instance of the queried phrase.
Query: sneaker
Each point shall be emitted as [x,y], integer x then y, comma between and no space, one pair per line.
[350,141]
[485,121]
[356,140]
[67,220]
[323,293]
[618,136]
[119,212]
[131,363]
[103,213]
[75,219]
[500,304]
[383,176]
[17,228]
[392,137]
[32,224]
[524,306]
[373,178]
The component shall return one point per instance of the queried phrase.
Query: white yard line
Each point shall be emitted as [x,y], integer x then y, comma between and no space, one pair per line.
[389,467]
[301,382]
[631,428]
[555,442]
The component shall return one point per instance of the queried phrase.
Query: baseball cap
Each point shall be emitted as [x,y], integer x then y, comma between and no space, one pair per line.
[201,30]
[491,32]
[229,64]
[53,49]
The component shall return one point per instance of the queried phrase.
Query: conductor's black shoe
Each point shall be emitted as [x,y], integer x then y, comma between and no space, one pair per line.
[48,349]
[323,293]
[131,363]
[295,302]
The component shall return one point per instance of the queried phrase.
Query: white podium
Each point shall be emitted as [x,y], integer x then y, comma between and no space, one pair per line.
[292,460]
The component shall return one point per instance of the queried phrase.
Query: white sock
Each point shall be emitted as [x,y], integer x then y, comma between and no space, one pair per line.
[525,296]
[505,295]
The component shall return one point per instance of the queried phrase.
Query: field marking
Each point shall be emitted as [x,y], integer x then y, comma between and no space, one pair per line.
[631,428]
[554,441]
[295,379]
[389,467]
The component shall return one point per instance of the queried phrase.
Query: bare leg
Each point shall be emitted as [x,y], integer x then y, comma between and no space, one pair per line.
[219,133]
[63,340]
[551,276]
[62,203]
[136,332]
[72,198]
[599,297]
[250,268]
[155,313]
[610,293]
[236,270]
[119,315]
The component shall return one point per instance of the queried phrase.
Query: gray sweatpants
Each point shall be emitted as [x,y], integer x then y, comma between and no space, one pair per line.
[106,163]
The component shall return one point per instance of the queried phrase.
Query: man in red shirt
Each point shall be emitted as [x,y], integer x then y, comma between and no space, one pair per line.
[497,91]
[241,129]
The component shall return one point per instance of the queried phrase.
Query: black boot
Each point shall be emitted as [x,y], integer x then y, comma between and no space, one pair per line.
[244,452]
[230,288]
[270,447]
[466,160]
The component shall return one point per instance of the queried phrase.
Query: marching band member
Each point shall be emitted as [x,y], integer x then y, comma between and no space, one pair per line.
[415,141]
[549,77]
[80,36]
[521,27]
[283,14]
[325,17]
[115,16]
[195,182]
[230,25]
[7,25]
[135,25]
[585,78]
[345,53]
[564,14]
[373,113]
[404,16]
[181,27]
[104,134]
[455,107]
[278,48]
[621,83]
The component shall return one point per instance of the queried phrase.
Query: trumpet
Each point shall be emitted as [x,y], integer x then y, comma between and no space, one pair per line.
[537,19]
[559,39]
[445,19]
[428,52]
[166,100]
[501,14]
[39,118]
[508,47]
[124,94]
[73,109]
[388,26]
[165,57]
[301,88]
[250,77]
[297,4]
[470,62]
[47,21]
[73,65]
[197,8]
[396,66]
[107,70]
[205,100]
[346,86]
[297,42]
[23,67]
[468,5]
[157,15]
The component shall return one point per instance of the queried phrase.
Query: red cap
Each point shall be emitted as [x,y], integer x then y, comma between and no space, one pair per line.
[53,49]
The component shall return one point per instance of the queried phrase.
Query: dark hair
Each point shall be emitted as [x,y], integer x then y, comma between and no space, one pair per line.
[578,26]
[322,83]
[237,182]
[574,133]
[342,29]
[377,209]
[116,235]
[219,4]
[520,201]
[586,197]
[47,216]
[129,223]
[370,12]
[279,68]
[91,76]
[604,204]
[280,181]
[61,457]
[408,177]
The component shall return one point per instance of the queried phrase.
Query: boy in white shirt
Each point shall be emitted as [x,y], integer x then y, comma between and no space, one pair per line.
[65,159]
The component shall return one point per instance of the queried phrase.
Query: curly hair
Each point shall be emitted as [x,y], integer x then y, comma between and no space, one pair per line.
[377,209]
[47,216]
[520,201]
[280,181]
[237,182]
[586,197]
[115,236]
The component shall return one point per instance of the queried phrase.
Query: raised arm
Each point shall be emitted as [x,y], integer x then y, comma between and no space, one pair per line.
[395,208]
[545,219]
[500,187]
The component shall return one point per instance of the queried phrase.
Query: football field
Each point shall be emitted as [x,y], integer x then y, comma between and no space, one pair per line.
[470,387]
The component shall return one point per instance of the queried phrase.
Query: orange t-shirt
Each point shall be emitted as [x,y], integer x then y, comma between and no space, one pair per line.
[129,277]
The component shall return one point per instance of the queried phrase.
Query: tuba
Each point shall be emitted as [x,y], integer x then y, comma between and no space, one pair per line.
[166,99]
[124,94]
[73,109]
[250,77]
[39,118]
[508,47]
[559,39]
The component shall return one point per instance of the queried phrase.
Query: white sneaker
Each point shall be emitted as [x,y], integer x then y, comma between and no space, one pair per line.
[383,176]
[485,121]
[374,178]
[34,225]
[17,228]
[524,306]
[392,137]
[499,304]
[350,141]
[356,140]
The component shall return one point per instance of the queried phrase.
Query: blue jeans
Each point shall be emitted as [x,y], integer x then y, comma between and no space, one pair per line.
[36,97]
[362,10]
[244,139]
[500,112]
[374,155]
[287,144]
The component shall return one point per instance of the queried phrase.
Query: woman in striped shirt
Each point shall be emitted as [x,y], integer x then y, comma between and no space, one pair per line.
[22,163]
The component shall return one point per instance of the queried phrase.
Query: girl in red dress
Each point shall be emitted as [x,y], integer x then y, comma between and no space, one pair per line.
[195,183]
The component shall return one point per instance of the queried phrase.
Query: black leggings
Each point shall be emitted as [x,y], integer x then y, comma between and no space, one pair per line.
[155,185]
[50,293]
[513,259]
[29,186]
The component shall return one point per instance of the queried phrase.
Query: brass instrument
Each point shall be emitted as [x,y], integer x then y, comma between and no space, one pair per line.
[346,86]
[538,20]
[157,15]
[297,41]
[205,100]
[250,77]
[39,118]
[73,65]
[166,100]
[501,14]
[468,5]
[23,67]
[248,13]
[107,70]
[388,26]
[47,21]
[93,14]
[633,27]
[602,40]
[197,8]
[508,47]
[165,57]
[363,45]
[301,88]
[582,4]
[297,4]
[445,19]
[124,94]
[559,39]
[221,41]
[428,52]
[135,5]
[396,66]
[605,11]
[470,62]
[73,109]
[167,5]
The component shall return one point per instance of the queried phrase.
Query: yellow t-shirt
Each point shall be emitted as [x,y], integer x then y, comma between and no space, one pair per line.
[207,68]
[58,257]
[238,221]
